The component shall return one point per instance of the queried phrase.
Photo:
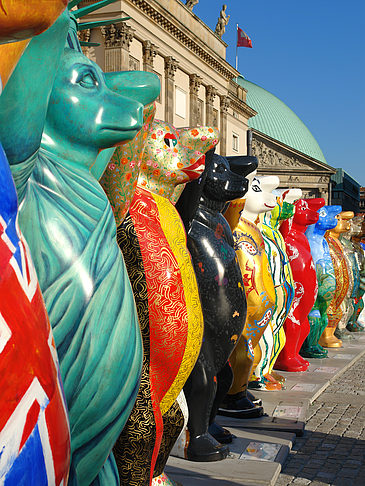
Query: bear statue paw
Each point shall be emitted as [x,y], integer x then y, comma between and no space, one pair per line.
[204,448]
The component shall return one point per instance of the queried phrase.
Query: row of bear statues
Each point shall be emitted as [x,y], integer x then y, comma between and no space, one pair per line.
[147,283]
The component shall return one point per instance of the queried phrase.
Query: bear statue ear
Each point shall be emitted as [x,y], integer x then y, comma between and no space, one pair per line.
[140,86]
[315,203]
[242,164]
[347,215]
[201,139]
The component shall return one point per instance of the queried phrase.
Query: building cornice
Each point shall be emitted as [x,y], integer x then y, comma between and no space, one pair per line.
[167,22]
[241,107]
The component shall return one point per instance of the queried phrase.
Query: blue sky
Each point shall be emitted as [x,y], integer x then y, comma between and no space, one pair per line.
[311,55]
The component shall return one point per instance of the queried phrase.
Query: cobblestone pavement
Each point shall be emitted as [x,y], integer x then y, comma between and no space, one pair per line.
[332,450]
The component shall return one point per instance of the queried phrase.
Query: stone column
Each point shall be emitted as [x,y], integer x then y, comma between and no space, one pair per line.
[149,53]
[126,37]
[84,36]
[324,193]
[210,93]
[224,105]
[170,70]
[117,39]
[194,83]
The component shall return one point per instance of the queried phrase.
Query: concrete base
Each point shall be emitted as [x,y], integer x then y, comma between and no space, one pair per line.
[265,423]
[255,459]
[229,472]
[301,389]
[286,410]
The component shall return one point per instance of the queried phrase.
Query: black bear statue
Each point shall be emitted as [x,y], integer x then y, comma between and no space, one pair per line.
[222,295]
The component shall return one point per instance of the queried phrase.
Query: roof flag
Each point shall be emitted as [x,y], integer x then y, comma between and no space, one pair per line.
[242,41]
[242,38]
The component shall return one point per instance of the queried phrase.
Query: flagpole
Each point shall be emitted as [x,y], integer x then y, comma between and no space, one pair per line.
[237,50]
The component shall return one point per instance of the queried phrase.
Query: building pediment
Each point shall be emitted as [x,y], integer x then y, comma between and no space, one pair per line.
[275,155]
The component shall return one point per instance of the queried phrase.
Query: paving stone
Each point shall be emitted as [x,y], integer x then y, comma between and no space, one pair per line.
[319,483]
[326,476]
[332,449]
[348,472]
[301,481]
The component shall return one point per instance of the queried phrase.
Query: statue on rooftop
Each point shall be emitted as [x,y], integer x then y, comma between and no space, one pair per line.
[223,19]
[190,4]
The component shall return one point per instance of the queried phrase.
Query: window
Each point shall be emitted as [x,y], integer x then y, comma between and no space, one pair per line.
[180,102]
[235,142]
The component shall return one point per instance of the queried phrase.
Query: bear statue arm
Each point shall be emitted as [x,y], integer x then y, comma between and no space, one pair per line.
[24,101]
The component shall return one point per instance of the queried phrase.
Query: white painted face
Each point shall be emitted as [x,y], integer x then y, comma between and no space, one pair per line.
[292,195]
[289,195]
[259,197]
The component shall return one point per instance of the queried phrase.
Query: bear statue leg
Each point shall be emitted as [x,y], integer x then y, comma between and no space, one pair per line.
[224,382]
[310,347]
[296,330]
[136,444]
[237,405]
[200,391]
[173,423]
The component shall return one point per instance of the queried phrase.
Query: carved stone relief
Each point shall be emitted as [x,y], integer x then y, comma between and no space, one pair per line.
[225,103]
[134,64]
[120,35]
[84,36]
[211,93]
[268,157]
[171,65]
[149,52]
[195,82]
[191,3]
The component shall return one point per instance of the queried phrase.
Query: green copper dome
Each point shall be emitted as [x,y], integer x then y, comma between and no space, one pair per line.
[278,121]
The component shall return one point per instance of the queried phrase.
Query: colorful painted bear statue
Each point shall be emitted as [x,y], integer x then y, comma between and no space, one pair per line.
[296,325]
[283,281]
[34,428]
[242,215]
[357,232]
[289,196]
[325,277]
[210,243]
[133,460]
[153,242]
[354,281]
[69,225]
[335,309]
[273,339]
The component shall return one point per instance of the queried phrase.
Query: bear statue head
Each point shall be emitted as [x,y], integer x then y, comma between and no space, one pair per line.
[174,156]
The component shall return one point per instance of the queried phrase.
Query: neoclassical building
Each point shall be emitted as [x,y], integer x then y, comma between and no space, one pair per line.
[197,83]
[284,145]
[199,87]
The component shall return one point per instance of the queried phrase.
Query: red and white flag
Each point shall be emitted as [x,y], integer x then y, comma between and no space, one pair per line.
[242,39]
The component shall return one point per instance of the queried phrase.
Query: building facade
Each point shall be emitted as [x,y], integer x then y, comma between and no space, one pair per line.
[285,146]
[346,192]
[167,38]
[199,87]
